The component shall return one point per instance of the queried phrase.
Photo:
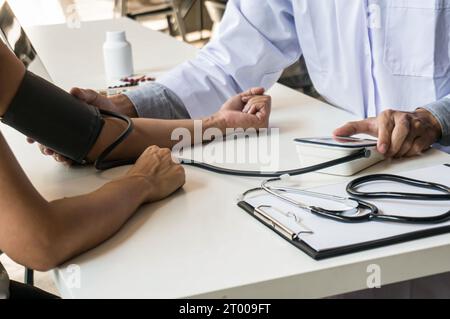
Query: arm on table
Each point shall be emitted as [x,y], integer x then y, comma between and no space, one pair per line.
[41,234]
[250,109]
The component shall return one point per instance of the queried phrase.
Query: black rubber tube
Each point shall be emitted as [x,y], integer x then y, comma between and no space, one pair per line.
[298,171]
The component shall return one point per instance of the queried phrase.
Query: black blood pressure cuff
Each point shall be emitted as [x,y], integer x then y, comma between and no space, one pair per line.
[54,118]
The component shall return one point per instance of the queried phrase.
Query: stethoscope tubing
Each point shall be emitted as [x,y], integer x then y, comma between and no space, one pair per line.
[437,219]
[101,163]
[363,153]
[354,184]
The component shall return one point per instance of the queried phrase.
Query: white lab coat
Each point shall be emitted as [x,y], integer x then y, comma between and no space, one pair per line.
[362,55]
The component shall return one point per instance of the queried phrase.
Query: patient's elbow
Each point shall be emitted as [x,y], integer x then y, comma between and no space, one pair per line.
[38,248]
[43,259]
[34,256]
[39,253]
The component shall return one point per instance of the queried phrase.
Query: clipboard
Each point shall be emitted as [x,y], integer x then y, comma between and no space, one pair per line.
[417,232]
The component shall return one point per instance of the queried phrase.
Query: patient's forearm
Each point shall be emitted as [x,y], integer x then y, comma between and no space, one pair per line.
[41,235]
[150,132]
[85,221]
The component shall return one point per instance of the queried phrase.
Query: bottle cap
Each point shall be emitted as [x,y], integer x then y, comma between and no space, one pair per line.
[116,36]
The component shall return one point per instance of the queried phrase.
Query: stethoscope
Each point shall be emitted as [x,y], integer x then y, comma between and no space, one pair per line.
[358,210]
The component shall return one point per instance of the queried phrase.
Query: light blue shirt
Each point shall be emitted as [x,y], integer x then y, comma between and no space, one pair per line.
[362,55]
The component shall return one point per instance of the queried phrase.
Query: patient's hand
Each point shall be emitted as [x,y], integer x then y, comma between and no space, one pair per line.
[250,109]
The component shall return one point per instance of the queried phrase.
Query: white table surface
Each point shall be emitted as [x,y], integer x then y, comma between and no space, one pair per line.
[198,243]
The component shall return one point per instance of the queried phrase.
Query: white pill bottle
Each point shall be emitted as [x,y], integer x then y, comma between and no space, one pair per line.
[118,56]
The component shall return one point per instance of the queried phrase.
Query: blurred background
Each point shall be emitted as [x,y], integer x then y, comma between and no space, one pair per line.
[192,21]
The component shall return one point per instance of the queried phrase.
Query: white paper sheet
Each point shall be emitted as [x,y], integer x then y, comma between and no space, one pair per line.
[330,234]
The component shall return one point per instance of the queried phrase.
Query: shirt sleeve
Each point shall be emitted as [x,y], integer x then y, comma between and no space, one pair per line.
[441,111]
[156,101]
[256,40]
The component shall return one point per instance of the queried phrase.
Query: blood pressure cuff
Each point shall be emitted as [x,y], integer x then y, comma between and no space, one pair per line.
[54,118]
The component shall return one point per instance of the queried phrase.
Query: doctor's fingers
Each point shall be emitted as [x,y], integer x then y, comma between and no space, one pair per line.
[402,129]
[45,150]
[420,145]
[385,125]
[57,157]
[251,92]
[407,144]
[62,159]
[367,126]
[93,98]
[86,95]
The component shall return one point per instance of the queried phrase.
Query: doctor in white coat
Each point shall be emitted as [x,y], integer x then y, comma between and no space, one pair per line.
[365,56]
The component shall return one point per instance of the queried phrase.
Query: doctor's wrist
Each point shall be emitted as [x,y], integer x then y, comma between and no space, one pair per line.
[435,126]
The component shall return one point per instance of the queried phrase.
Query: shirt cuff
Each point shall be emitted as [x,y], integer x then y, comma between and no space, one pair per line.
[441,111]
[154,100]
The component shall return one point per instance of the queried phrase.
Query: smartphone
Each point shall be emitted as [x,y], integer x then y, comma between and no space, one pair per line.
[338,141]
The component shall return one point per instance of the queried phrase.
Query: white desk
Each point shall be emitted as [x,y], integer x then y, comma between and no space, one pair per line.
[198,243]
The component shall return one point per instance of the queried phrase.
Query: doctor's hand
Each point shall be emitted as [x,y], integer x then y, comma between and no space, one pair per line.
[119,103]
[399,133]
[250,109]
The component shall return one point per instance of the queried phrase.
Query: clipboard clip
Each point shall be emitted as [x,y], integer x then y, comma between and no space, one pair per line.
[261,214]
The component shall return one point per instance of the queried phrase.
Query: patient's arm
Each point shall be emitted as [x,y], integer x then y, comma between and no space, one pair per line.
[11,74]
[159,132]
[41,234]
[250,109]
